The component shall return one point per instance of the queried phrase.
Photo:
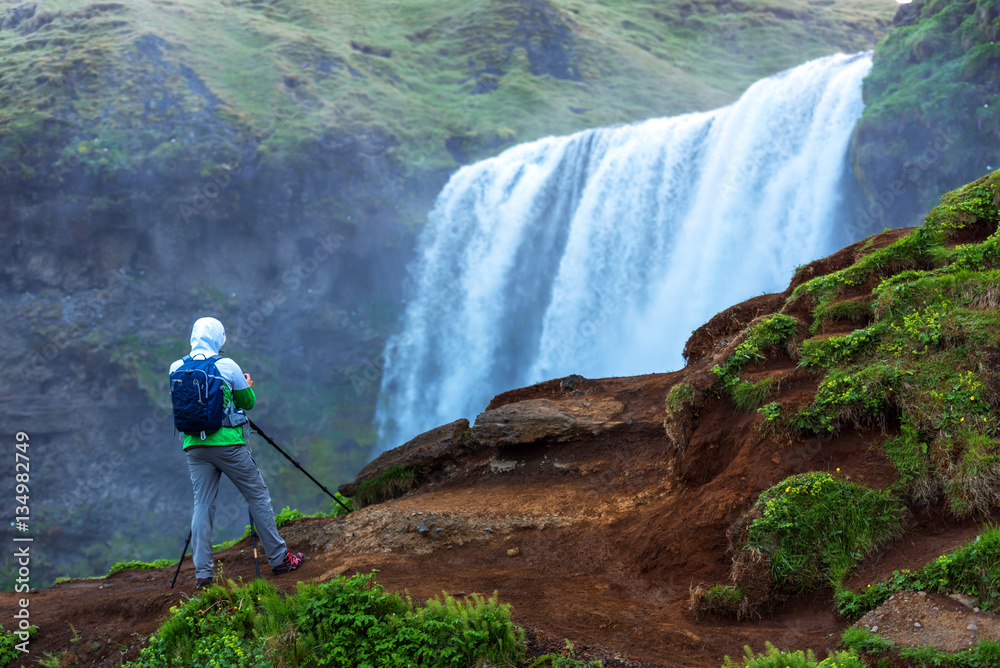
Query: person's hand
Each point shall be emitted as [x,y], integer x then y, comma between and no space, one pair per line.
[249,380]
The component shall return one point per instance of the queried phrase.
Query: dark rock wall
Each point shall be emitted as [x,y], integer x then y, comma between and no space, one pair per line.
[932,116]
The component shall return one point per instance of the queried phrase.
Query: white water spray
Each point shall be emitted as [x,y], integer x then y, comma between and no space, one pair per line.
[599,252]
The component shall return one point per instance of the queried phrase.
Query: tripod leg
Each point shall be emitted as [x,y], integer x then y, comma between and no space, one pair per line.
[253,538]
[181,560]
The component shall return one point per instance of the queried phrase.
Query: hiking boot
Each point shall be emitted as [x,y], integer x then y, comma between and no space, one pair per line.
[203,583]
[291,562]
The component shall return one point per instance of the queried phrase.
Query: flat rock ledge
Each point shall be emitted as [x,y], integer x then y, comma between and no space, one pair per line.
[536,420]
[425,453]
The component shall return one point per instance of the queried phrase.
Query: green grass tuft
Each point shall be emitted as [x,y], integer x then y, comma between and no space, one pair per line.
[139,565]
[747,396]
[390,484]
[726,601]
[761,337]
[678,419]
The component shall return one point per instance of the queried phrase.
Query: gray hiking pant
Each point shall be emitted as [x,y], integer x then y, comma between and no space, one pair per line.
[206,466]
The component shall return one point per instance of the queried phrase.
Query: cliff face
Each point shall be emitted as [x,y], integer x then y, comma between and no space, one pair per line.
[932,109]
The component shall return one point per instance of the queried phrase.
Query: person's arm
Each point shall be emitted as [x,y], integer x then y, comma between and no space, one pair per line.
[243,394]
[244,398]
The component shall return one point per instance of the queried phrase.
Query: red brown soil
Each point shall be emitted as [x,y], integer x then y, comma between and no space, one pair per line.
[597,540]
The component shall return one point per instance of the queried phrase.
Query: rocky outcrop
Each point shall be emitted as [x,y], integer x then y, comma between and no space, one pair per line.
[424,454]
[540,420]
[931,120]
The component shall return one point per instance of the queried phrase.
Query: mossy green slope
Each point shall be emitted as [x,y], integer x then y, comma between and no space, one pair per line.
[932,107]
[922,367]
[479,74]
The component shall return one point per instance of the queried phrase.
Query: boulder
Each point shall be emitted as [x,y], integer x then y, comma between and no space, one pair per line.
[907,14]
[537,420]
[425,453]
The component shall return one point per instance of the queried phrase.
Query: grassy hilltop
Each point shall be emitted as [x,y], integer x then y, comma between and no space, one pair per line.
[436,77]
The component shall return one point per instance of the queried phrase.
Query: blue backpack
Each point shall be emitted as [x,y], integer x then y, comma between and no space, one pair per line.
[198,397]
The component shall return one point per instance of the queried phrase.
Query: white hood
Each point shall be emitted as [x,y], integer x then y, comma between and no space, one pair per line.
[207,337]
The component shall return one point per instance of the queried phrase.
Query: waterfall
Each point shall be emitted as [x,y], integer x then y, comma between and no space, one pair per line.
[598,253]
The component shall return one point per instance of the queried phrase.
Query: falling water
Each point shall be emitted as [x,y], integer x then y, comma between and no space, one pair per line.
[599,252]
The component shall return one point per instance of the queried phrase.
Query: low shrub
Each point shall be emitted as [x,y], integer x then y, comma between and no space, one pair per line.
[809,530]
[775,658]
[9,642]
[814,528]
[345,623]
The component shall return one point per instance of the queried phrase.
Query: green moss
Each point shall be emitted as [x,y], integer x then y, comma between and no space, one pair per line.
[858,312]
[138,565]
[834,350]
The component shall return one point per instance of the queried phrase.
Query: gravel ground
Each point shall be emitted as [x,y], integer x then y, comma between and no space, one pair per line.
[915,619]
